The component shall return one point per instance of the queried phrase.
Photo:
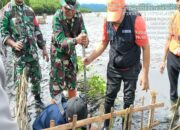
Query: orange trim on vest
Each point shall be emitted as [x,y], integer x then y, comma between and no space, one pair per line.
[174,29]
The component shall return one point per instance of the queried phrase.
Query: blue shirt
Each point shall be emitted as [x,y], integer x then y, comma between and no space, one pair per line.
[51,112]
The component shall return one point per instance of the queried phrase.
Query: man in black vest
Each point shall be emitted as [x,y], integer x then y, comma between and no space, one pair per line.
[126,32]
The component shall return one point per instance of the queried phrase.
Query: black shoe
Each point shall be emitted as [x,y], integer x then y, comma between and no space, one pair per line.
[38,102]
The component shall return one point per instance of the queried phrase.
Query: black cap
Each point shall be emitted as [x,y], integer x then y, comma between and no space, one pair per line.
[76,106]
[70,4]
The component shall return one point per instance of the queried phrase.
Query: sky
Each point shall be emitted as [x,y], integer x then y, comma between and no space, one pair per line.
[128,1]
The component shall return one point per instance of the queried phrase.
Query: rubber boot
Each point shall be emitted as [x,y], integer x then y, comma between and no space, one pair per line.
[107,108]
[172,110]
[71,93]
[38,102]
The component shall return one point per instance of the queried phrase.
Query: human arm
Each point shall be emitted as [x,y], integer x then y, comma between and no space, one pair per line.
[99,48]
[144,80]
[96,52]
[143,41]
[163,63]
[6,35]
[166,48]
[40,40]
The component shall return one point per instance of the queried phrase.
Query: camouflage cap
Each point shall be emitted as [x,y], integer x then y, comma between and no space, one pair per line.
[70,4]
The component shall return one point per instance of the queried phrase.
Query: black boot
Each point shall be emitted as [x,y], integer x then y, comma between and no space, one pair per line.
[107,108]
[38,102]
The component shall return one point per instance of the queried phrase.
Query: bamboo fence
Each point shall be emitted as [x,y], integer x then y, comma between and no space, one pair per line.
[22,113]
[122,113]
[21,103]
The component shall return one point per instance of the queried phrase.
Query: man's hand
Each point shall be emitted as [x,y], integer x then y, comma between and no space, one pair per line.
[162,66]
[45,54]
[53,101]
[144,82]
[82,39]
[18,46]
[87,60]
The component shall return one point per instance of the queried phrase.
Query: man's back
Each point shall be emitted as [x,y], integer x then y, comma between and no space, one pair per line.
[51,112]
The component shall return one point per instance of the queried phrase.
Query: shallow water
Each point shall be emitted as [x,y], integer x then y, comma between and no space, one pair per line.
[157,28]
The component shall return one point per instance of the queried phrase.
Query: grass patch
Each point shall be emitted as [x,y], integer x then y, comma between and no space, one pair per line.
[44,6]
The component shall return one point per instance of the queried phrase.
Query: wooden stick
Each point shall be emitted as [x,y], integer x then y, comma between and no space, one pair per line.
[101,112]
[155,123]
[125,119]
[87,126]
[142,114]
[175,128]
[151,113]
[21,102]
[111,119]
[104,117]
[52,123]
[130,117]
[74,122]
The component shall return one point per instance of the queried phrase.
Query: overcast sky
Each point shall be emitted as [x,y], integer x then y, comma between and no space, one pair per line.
[128,1]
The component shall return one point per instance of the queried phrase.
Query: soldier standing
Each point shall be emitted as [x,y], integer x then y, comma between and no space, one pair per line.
[67,27]
[20,30]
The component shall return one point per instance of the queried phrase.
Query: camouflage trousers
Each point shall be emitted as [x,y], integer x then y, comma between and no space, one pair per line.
[62,76]
[33,73]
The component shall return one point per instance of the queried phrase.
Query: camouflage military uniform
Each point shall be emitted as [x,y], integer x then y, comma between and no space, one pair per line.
[19,23]
[63,52]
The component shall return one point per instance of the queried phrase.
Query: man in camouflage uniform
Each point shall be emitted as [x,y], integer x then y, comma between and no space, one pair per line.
[20,30]
[67,27]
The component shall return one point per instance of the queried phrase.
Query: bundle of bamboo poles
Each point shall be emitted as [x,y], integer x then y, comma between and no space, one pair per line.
[21,103]
[121,113]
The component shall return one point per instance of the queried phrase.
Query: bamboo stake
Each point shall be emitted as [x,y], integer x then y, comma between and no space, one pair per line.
[87,126]
[130,117]
[151,113]
[111,119]
[74,122]
[104,117]
[21,102]
[101,112]
[52,123]
[125,119]
[155,123]
[142,114]
[175,128]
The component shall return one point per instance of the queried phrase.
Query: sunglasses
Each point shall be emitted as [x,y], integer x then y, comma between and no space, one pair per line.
[67,9]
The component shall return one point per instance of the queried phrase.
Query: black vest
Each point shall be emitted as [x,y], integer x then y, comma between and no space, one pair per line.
[75,30]
[124,52]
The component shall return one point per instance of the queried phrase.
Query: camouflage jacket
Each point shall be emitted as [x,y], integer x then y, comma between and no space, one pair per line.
[64,34]
[19,23]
